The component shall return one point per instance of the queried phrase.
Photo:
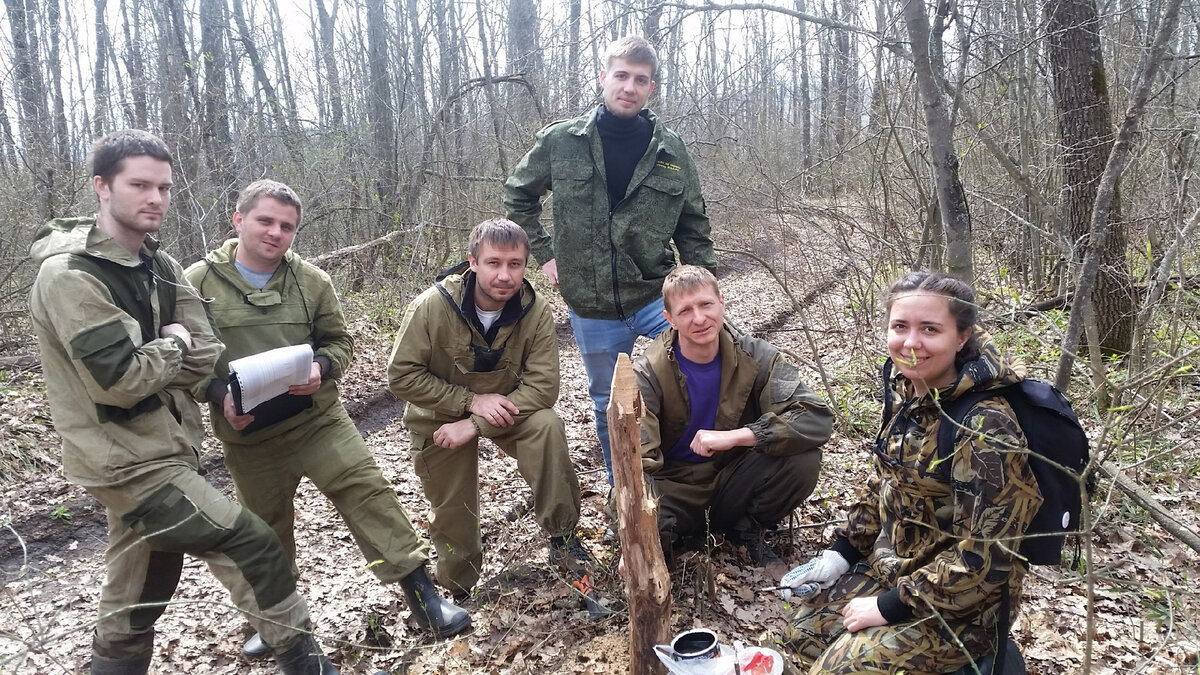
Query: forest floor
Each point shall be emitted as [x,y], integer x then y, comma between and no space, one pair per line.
[526,620]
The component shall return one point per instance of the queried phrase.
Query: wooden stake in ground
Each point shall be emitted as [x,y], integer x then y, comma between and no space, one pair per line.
[647,581]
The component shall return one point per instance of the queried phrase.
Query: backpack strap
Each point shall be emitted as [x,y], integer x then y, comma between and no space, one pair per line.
[953,415]
[887,398]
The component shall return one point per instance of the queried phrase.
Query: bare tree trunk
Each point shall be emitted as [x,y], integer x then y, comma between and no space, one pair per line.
[62,139]
[32,111]
[381,113]
[260,73]
[1085,126]
[1106,195]
[8,146]
[101,117]
[805,94]
[215,134]
[134,64]
[285,68]
[525,57]
[326,21]
[952,199]
[575,94]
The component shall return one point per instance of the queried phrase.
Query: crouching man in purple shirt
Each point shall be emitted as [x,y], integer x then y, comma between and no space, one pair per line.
[731,436]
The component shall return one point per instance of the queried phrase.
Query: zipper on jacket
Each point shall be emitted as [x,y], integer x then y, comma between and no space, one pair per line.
[612,247]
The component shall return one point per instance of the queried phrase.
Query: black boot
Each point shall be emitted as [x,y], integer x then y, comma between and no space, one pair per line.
[305,658]
[127,657]
[430,609]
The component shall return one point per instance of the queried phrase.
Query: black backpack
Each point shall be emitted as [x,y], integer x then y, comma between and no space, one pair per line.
[1058,457]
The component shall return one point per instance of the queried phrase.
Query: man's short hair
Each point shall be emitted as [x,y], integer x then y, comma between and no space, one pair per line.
[266,187]
[499,232]
[684,279]
[109,151]
[635,49]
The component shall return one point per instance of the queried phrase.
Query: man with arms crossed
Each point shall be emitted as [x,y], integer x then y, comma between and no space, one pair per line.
[476,355]
[122,338]
[264,296]
[624,189]
[729,427]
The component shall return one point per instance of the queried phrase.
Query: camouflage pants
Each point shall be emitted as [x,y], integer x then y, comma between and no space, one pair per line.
[930,645]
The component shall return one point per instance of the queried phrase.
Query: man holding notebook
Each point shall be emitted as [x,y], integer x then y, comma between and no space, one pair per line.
[263,297]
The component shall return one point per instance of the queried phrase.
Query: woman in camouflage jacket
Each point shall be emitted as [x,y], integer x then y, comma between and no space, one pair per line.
[914,579]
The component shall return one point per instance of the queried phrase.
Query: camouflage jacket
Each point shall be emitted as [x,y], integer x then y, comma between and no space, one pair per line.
[612,258]
[760,390]
[118,392]
[946,546]
[300,306]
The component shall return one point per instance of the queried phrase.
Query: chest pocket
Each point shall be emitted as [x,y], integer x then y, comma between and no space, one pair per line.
[502,379]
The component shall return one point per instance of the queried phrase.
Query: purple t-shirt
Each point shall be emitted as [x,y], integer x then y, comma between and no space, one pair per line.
[704,392]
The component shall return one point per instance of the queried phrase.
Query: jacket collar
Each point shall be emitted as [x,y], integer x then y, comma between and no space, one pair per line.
[457,286]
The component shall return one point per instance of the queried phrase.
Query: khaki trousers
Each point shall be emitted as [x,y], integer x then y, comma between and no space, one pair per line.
[157,517]
[331,453]
[451,481]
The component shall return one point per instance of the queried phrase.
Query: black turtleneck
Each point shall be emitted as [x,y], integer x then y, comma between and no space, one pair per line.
[624,141]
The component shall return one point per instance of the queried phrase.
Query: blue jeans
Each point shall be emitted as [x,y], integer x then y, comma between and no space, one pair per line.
[600,340]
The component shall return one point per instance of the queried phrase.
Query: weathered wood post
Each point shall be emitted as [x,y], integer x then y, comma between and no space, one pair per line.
[647,581]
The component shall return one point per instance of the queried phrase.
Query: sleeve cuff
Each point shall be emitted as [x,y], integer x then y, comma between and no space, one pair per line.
[181,344]
[325,363]
[844,548]
[216,391]
[762,433]
[893,610]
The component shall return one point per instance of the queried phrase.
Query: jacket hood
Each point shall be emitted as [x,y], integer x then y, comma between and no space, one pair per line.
[79,236]
[453,283]
[226,253]
[990,370]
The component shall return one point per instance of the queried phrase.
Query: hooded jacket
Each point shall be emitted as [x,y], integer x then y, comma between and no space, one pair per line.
[612,258]
[118,392]
[760,390]
[946,547]
[297,306]
[441,357]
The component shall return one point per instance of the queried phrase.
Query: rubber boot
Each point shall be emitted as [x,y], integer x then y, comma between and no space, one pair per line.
[255,648]
[305,658]
[433,612]
[126,657]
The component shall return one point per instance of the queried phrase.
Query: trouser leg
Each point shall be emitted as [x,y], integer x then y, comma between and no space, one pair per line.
[174,511]
[450,478]
[683,491]
[334,456]
[600,341]
[763,488]
[817,638]
[539,444]
[265,478]
[139,582]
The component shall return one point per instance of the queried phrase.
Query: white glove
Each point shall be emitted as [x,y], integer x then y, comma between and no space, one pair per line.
[814,575]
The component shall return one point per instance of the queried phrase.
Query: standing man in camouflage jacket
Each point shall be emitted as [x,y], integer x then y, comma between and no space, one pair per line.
[122,338]
[624,189]
[730,429]
[262,296]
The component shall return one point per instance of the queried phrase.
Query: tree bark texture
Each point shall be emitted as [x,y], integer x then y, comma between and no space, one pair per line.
[952,199]
[647,580]
[1084,117]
